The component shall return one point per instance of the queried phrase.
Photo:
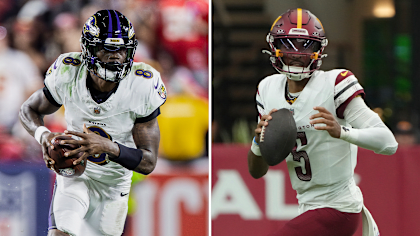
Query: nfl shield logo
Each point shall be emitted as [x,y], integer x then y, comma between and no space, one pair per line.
[97,110]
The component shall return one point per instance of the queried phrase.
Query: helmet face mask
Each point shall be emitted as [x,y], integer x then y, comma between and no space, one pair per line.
[111,31]
[297,41]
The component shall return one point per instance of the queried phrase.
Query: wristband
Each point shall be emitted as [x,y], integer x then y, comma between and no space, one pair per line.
[255,148]
[253,140]
[39,131]
[130,158]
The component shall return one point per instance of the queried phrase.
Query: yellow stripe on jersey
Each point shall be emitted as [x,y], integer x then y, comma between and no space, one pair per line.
[299,18]
[278,18]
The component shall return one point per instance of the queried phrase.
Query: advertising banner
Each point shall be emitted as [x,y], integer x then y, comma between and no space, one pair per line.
[245,206]
[172,202]
[25,193]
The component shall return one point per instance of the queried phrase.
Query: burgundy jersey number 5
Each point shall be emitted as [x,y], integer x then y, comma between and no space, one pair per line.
[307,176]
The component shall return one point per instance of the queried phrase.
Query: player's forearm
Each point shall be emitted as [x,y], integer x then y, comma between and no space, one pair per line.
[369,130]
[147,136]
[147,164]
[139,160]
[378,139]
[256,165]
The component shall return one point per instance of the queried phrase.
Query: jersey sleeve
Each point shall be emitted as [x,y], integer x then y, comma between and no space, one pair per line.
[260,103]
[156,97]
[51,81]
[346,88]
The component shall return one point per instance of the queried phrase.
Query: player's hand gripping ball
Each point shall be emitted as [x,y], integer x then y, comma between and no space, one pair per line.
[278,138]
[64,165]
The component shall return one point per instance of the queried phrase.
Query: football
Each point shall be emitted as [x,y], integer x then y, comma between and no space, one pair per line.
[64,165]
[278,138]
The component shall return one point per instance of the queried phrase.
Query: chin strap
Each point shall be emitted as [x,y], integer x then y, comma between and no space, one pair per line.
[106,74]
[299,77]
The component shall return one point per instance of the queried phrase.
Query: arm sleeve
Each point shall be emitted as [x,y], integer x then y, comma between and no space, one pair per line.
[51,82]
[154,95]
[368,129]
[50,97]
[149,117]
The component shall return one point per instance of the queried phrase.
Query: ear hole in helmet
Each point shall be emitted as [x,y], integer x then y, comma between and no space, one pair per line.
[314,56]
[130,53]
[95,49]
[279,53]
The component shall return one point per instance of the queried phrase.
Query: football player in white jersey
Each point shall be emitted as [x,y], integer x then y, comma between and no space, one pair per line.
[332,120]
[111,104]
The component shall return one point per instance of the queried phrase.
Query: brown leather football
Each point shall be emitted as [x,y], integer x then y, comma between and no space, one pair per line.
[64,165]
[279,137]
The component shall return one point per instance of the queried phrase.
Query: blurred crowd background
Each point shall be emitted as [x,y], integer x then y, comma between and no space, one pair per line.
[173,38]
[375,39]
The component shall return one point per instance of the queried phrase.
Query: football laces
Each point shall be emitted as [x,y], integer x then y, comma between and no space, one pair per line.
[262,134]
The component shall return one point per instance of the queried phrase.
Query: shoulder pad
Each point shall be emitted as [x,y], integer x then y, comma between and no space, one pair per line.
[342,75]
[65,68]
[144,70]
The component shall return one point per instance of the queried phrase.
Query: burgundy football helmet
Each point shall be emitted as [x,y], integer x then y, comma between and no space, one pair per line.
[297,41]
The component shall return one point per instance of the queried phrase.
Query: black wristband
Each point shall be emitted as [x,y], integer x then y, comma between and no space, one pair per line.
[130,158]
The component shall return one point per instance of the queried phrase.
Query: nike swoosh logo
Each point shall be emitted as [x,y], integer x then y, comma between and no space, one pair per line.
[344,73]
[157,84]
[123,194]
[55,64]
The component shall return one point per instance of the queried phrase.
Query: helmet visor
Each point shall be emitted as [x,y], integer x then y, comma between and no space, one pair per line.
[299,45]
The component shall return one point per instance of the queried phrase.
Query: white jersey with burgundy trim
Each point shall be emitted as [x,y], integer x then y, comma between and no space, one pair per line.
[321,168]
[138,95]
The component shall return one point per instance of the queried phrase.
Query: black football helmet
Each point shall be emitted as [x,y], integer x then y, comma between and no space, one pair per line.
[111,30]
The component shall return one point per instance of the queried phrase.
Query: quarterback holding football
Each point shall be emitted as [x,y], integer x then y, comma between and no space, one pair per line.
[332,120]
[111,105]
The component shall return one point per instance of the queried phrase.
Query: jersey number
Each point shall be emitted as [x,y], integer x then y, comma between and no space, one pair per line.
[145,73]
[307,176]
[99,158]
[71,61]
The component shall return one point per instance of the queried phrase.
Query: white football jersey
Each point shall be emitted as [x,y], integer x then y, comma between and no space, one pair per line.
[138,95]
[321,168]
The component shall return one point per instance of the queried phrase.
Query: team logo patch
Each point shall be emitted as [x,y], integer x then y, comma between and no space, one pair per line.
[91,27]
[67,172]
[130,31]
[97,110]
[162,91]
[49,70]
